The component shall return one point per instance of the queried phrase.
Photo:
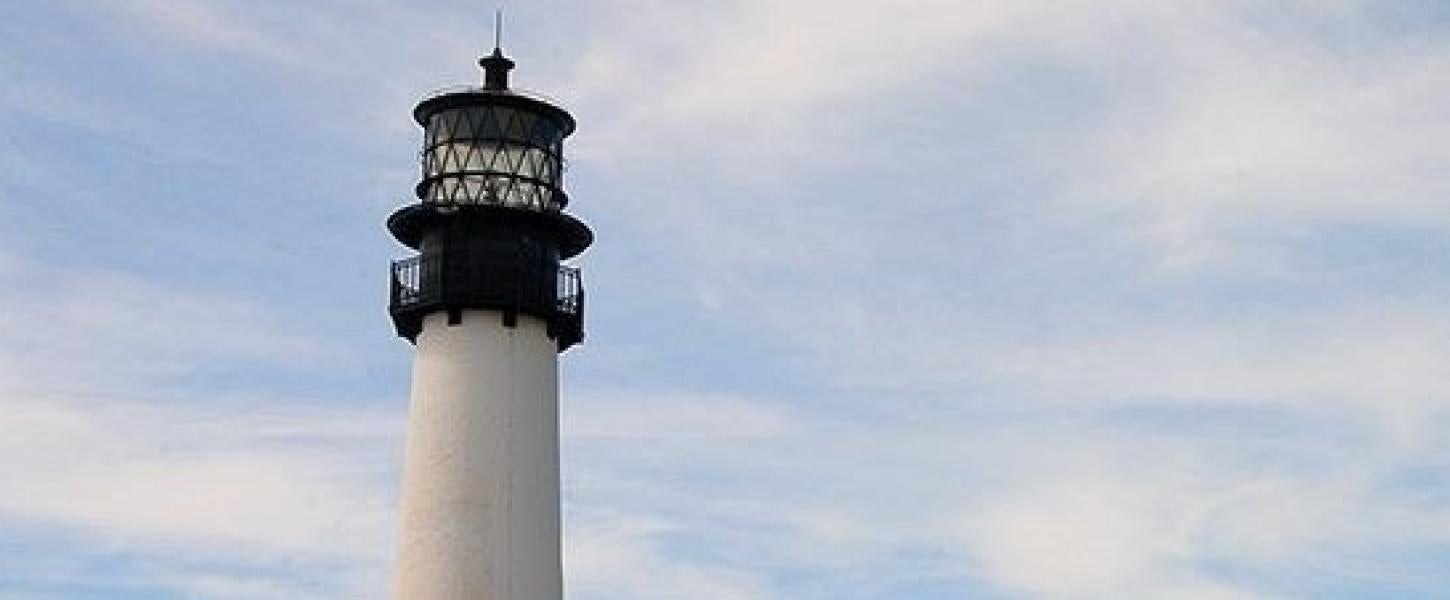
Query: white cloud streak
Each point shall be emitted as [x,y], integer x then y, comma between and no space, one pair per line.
[103,449]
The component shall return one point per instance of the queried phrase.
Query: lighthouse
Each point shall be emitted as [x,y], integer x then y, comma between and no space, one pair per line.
[489,304]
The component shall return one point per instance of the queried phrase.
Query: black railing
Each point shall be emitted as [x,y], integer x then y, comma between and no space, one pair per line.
[415,281]
[571,291]
[431,282]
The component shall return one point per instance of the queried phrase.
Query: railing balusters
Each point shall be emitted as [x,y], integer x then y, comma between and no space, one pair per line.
[419,279]
[417,289]
[570,290]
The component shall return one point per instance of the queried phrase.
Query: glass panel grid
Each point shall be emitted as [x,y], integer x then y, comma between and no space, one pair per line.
[493,155]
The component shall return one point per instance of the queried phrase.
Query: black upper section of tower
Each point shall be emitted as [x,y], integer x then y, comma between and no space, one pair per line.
[489,225]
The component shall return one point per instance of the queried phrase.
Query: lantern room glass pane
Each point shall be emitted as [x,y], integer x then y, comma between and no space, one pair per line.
[492,155]
[493,122]
[483,122]
[495,157]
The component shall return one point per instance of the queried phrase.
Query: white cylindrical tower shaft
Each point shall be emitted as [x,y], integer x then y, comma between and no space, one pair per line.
[480,506]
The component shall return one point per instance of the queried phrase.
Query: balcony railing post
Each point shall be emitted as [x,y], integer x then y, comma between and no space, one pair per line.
[411,281]
[570,291]
[393,287]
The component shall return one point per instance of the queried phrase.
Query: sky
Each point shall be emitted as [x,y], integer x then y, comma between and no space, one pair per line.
[926,299]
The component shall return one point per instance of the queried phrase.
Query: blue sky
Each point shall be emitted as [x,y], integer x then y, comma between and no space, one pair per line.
[921,300]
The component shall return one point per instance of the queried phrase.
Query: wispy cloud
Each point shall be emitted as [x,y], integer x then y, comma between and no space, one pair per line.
[1161,502]
[106,448]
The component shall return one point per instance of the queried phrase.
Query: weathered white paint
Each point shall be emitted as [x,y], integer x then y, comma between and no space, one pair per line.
[480,507]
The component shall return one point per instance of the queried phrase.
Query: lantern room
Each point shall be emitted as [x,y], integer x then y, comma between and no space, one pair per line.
[493,146]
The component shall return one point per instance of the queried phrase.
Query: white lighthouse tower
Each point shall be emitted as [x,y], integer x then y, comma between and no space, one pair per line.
[489,307]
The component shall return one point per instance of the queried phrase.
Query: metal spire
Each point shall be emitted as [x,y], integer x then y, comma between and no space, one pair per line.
[497,29]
